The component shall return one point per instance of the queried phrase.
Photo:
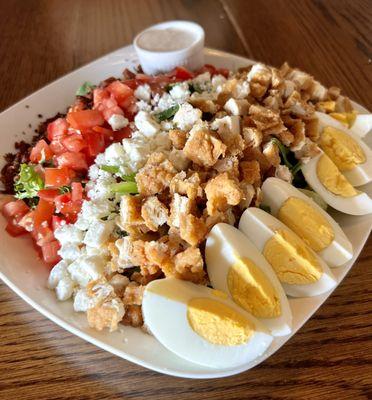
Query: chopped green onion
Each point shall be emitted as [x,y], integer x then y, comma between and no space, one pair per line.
[167,114]
[28,183]
[85,88]
[296,168]
[65,189]
[124,188]
[112,169]
[265,208]
[283,151]
[129,178]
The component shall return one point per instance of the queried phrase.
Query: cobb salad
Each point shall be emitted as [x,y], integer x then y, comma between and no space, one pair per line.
[134,197]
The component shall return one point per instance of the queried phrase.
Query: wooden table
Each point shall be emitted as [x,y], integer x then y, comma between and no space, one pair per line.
[329,358]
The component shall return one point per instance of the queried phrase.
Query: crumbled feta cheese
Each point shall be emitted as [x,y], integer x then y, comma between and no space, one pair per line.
[166,125]
[227,125]
[114,154]
[98,233]
[93,210]
[165,101]
[124,245]
[117,121]
[187,116]
[237,107]
[180,92]
[146,124]
[86,269]
[101,188]
[82,302]
[93,172]
[217,83]
[137,149]
[69,251]
[143,106]
[143,92]
[60,280]
[203,81]
[68,233]
[241,90]
[119,283]
[255,70]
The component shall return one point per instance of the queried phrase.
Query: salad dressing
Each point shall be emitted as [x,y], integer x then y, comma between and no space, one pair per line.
[162,40]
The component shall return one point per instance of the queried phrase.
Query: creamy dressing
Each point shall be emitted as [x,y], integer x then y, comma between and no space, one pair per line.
[170,39]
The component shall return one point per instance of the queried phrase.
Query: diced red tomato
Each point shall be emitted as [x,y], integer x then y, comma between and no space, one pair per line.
[15,210]
[181,73]
[57,129]
[121,92]
[27,221]
[71,209]
[77,191]
[43,212]
[48,194]
[50,252]
[57,177]
[14,229]
[108,134]
[223,71]
[85,119]
[41,152]
[142,78]
[121,134]
[60,200]
[57,222]
[57,147]
[132,83]
[95,142]
[43,234]
[75,161]
[5,199]
[74,142]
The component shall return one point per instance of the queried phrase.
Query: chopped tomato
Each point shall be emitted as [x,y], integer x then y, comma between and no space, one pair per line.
[57,129]
[15,210]
[57,147]
[43,212]
[71,209]
[85,119]
[77,191]
[108,134]
[121,134]
[43,234]
[57,222]
[96,143]
[75,161]
[27,221]
[50,252]
[121,92]
[142,78]
[48,194]
[74,142]
[60,200]
[41,152]
[57,177]
[132,83]
[14,229]
[223,71]
[182,73]
[207,68]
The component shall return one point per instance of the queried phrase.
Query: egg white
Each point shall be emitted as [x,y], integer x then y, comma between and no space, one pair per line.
[362,125]
[275,192]
[224,244]
[360,204]
[166,318]
[259,227]
[361,174]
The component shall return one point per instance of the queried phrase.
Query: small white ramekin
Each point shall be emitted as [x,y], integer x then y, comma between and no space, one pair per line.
[191,57]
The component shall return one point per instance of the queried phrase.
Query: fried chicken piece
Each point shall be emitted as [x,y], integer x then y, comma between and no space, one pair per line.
[298,131]
[203,148]
[229,165]
[133,294]
[250,172]
[133,316]
[312,129]
[271,152]
[192,229]
[248,194]
[255,154]
[204,104]
[296,106]
[106,315]
[180,205]
[266,120]
[130,210]
[189,187]
[252,136]
[154,213]
[282,172]
[178,138]
[156,175]
[189,265]
[221,192]
[307,151]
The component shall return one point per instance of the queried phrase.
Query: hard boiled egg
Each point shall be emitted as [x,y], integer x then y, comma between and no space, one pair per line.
[300,271]
[362,125]
[202,325]
[309,221]
[350,154]
[325,178]
[235,266]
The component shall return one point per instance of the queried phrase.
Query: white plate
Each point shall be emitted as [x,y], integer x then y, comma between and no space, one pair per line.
[22,272]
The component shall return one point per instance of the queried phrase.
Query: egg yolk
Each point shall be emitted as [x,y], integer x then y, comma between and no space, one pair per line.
[346,118]
[218,323]
[311,226]
[332,179]
[342,149]
[291,259]
[251,289]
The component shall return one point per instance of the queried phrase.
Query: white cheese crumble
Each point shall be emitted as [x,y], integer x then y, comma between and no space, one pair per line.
[187,116]
[146,124]
[143,92]
[117,121]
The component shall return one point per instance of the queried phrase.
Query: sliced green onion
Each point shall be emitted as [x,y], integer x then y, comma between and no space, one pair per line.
[296,168]
[85,88]
[283,151]
[124,188]
[112,169]
[168,113]
[129,178]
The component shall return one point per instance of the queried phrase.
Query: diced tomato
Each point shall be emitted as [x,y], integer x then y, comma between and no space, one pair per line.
[57,177]
[15,210]
[85,119]
[132,83]
[74,142]
[5,199]
[207,68]
[57,222]
[108,134]
[75,161]
[77,191]
[95,142]
[182,73]
[57,147]
[14,229]
[57,129]
[100,96]
[43,212]
[142,78]
[121,92]
[48,194]
[43,234]
[50,252]
[71,209]
[223,71]
[121,134]
[60,200]
[27,221]
[41,152]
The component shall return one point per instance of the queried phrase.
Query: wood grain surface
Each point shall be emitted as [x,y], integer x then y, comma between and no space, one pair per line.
[331,356]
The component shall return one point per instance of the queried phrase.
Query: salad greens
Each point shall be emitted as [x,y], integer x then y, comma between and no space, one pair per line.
[168,113]
[85,88]
[28,183]
[124,188]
